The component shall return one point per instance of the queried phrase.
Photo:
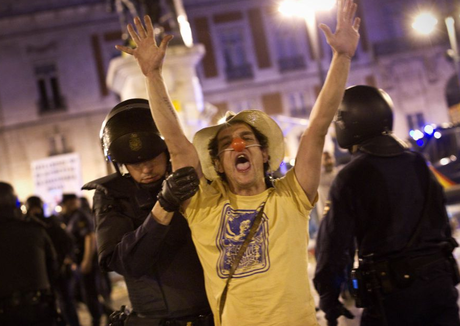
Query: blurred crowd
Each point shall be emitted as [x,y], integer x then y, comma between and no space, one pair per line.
[52,262]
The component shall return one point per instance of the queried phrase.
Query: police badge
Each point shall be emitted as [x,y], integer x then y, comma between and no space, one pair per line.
[135,143]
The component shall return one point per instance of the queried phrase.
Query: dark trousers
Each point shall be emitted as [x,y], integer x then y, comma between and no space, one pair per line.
[202,320]
[88,289]
[40,314]
[430,301]
[66,297]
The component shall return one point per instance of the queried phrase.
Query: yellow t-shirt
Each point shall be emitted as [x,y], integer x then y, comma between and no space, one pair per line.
[270,286]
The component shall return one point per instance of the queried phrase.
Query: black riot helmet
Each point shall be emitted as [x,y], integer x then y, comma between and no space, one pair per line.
[365,112]
[129,135]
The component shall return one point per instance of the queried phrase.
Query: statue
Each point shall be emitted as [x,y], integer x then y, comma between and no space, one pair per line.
[164,15]
[126,11]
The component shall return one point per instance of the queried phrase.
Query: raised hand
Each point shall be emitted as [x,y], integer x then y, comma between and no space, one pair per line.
[345,39]
[148,54]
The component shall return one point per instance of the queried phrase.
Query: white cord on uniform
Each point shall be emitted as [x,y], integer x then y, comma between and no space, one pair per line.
[231,149]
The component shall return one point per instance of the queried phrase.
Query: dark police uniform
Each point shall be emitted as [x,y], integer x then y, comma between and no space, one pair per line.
[376,203]
[61,239]
[28,261]
[160,264]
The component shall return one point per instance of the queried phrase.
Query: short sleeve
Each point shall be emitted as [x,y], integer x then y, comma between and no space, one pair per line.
[289,186]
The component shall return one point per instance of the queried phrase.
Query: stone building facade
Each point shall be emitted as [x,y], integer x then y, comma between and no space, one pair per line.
[55,54]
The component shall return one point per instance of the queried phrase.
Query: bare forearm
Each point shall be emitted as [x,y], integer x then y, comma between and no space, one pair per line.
[343,44]
[150,57]
[163,112]
[160,215]
[90,248]
[181,150]
[308,160]
[331,94]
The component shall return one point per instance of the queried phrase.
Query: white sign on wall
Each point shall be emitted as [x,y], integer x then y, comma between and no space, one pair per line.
[56,175]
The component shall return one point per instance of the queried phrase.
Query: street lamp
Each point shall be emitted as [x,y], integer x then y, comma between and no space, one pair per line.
[425,23]
[307,10]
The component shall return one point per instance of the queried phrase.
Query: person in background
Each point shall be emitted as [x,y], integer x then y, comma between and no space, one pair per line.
[80,225]
[28,262]
[387,204]
[104,281]
[328,173]
[64,246]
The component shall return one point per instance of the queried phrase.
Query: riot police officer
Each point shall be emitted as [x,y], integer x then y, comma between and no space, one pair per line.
[388,203]
[160,264]
[28,262]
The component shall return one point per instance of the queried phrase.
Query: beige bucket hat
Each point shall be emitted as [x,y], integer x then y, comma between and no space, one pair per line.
[254,118]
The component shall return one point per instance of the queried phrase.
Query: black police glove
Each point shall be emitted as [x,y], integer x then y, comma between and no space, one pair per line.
[177,188]
[335,312]
[118,317]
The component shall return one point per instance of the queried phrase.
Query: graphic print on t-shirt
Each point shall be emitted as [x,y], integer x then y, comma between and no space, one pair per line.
[234,227]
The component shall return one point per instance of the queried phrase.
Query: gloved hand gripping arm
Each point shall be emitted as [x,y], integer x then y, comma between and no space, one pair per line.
[177,188]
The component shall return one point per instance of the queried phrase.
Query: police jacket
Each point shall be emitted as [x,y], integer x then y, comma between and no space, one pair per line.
[62,240]
[28,258]
[160,264]
[376,204]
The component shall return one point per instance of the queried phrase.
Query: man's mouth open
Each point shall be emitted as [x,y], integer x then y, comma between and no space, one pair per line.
[242,163]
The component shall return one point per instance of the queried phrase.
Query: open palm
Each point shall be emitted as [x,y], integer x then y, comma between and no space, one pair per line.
[148,54]
[345,39]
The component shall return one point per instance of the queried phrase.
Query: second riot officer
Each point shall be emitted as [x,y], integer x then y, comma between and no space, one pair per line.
[160,264]
[388,205]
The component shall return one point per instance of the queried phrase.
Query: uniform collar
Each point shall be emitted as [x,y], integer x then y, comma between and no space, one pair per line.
[386,145]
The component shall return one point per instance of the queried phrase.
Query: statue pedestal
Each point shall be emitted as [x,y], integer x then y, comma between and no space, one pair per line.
[179,71]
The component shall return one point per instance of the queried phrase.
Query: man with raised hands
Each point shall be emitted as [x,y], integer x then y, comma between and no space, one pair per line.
[270,284]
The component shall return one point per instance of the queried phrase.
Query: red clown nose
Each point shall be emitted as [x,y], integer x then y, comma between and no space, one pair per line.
[238,144]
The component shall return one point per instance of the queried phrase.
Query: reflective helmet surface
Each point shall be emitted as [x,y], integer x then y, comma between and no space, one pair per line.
[129,135]
[365,112]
